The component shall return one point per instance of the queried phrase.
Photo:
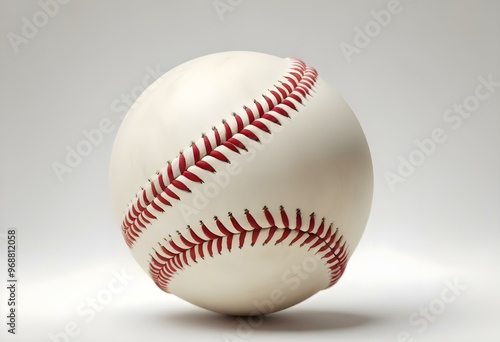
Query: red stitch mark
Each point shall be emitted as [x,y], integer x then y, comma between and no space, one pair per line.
[272,230]
[196,152]
[249,113]
[219,244]
[281,111]
[182,163]
[200,251]
[163,200]
[192,177]
[205,166]
[221,227]
[311,223]
[298,219]
[309,239]
[292,81]
[237,143]
[194,236]
[170,172]
[302,91]
[260,109]
[276,95]
[229,242]
[167,262]
[157,207]
[207,143]
[289,104]
[272,119]
[219,156]
[321,227]
[239,121]
[269,102]
[185,241]
[161,183]
[269,216]
[293,88]
[192,254]
[251,220]
[242,239]
[282,91]
[232,147]
[300,233]
[227,129]
[154,191]
[148,214]
[249,134]
[296,75]
[145,199]
[284,216]
[175,247]
[296,97]
[207,232]
[316,243]
[235,224]
[259,124]
[209,247]
[285,234]
[181,186]
[255,236]
[217,136]
[166,252]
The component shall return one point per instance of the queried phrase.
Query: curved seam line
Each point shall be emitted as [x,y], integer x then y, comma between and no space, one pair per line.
[133,226]
[333,240]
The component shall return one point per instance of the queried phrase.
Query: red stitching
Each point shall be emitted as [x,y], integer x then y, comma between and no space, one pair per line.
[172,257]
[161,190]
[177,252]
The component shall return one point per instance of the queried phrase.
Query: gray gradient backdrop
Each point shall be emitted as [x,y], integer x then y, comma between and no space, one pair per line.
[75,70]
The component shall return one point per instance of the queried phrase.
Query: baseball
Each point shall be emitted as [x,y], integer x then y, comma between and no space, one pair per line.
[242,182]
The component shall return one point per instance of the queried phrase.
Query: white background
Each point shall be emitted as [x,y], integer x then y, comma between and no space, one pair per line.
[439,226]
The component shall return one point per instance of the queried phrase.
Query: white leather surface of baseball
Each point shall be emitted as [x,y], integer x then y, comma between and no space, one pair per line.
[242,181]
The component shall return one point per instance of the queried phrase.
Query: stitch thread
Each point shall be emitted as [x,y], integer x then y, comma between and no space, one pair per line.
[160,191]
[175,253]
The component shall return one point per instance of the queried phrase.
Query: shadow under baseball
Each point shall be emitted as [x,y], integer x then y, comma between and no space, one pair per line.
[297,320]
